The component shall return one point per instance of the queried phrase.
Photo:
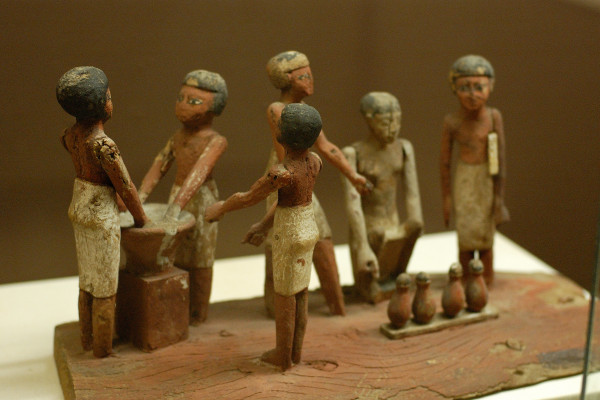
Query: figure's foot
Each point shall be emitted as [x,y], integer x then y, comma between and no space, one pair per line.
[275,357]
[296,356]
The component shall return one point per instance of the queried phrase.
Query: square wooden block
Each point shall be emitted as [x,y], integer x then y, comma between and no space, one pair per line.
[153,311]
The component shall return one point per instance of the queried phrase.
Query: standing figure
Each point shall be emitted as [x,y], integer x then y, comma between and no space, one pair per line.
[380,245]
[83,93]
[195,148]
[291,74]
[294,228]
[477,195]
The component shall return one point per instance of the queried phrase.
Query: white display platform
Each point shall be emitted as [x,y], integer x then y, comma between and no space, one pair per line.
[29,312]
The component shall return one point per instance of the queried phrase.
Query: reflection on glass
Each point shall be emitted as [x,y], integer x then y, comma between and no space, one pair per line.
[590,389]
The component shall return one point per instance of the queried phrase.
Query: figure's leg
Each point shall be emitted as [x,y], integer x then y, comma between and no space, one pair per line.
[103,323]
[300,326]
[487,258]
[85,319]
[269,288]
[413,232]
[200,288]
[202,245]
[464,256]
[285,315]
[327,270]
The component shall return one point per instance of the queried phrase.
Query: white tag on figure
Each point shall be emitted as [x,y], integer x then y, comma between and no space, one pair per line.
[493,162]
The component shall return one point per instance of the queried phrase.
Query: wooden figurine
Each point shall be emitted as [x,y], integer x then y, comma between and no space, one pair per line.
[380,244]
[423,306]
[291,74]
[101,174]
[295,230]
[195,148]
[477,195]
[476,289]
[399,307]
[453,296]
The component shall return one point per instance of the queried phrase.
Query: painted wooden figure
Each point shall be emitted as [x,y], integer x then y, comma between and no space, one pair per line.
[476,290]
[477,194]
[453,296]
[195,148]
[291,74]
[399,307]
[295,230]
[101,175]
[423,306]
[381,245]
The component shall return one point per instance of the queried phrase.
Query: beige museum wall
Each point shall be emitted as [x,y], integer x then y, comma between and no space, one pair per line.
[545,54]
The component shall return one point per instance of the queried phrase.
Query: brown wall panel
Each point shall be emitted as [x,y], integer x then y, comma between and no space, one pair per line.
[545,56]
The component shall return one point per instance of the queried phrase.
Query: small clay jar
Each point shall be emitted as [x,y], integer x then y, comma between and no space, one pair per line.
[476,291]
[398,310]
[453,296]
[423,306]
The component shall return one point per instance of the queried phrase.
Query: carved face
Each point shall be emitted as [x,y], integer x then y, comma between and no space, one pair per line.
[108,107]
[385,126]
[301,81]
[193,104]
[473,91]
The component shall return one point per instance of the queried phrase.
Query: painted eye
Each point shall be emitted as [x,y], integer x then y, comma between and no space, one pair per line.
[195,102]
[180,97]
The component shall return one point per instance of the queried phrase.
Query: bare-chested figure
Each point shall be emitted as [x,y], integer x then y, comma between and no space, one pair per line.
[380,246]
[291,74]
[195,148]
[83,93]
[477,196]
[294,227]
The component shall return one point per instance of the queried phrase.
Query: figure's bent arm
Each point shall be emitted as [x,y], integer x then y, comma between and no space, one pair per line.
[202,169]
[410,183]
[356,220]
[445,161]
[501,212]
[334,155]
[112,163]
[160,166]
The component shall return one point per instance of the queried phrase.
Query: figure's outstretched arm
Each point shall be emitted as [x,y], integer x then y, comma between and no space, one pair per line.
[410,184]
[112,163]
[332,153]
[198,174]
[277,177]
[160,166]
[365,257]
[445,161]
[501,213]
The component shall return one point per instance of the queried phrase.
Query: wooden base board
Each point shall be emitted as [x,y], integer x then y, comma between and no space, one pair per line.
[539,335]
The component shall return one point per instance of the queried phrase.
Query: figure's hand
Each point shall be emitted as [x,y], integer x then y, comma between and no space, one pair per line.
[172,213]
[256,235]
[214,212]
[447,210]
[362,185]
[367,263]
[501,214]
